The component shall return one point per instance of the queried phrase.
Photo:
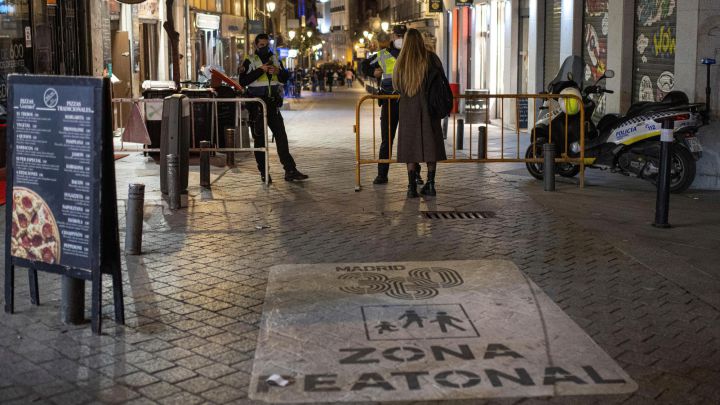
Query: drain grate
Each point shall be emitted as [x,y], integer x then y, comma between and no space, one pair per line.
[457,214]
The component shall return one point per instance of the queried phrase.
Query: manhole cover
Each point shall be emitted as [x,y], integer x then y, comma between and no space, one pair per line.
[457,214]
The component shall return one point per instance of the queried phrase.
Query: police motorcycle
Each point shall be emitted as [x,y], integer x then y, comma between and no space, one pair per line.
[629,144]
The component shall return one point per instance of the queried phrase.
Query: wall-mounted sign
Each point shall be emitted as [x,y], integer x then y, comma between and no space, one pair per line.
[255,27]
[207,21]
[461,3]
[232,25]
[436,6]
[148,10]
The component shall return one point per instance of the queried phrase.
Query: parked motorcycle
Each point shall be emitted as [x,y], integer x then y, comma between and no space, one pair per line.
[629,144]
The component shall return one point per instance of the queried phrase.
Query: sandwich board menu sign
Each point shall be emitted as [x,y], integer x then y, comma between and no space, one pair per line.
[61,215]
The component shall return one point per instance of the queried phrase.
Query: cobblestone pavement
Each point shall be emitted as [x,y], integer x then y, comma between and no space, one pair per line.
[194,298]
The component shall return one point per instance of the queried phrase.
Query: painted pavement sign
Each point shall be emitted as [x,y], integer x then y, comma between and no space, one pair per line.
[421,331]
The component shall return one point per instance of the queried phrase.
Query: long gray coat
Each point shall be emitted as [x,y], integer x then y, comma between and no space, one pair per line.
[420,137]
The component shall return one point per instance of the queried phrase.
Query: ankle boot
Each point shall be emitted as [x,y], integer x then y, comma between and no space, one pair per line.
[429,187]
[412,185]
[418,176]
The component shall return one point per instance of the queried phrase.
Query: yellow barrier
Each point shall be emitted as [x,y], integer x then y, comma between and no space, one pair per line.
[497,122]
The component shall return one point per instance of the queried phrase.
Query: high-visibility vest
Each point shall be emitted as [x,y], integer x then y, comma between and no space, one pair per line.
[265,80]
[387,63]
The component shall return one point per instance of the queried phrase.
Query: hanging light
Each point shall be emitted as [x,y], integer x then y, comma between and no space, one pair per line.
[384,25]
[365,34]
[270,6]
[291,34]
[309,34]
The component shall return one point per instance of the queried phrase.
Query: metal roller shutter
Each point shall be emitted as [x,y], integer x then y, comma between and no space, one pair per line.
[654,49]
[553,10]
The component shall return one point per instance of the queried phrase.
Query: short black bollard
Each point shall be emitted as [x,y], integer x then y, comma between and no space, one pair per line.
[173,179]
[662,202]
[72,307]
[445,127]
[205,165]
[134,219]
[460,136]
[549,166]
[230,143]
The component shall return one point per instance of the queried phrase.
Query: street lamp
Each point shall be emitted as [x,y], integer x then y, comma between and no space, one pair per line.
[270,6]
[365,34]
[292,34]
[384,25]
[370,36]
[309,34]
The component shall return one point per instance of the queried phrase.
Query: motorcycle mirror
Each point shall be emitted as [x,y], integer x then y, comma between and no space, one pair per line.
[570,76]
[609,74]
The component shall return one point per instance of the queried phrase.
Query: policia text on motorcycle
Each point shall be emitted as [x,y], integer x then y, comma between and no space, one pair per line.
[382,67]
[263,75]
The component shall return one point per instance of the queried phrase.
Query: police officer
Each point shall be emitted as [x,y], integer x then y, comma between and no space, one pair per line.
[381,67]
[263,76]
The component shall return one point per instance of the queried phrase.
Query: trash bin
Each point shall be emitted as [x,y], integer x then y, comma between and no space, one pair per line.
[155,92]
[225,112]
[202,116]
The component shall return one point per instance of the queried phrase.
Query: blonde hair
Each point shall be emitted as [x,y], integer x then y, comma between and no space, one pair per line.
[412,64]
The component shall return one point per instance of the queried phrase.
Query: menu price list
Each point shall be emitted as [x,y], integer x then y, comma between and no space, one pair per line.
[53,158]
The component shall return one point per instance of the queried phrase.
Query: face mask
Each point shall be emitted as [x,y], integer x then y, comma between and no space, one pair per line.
[263,52]
[398,43]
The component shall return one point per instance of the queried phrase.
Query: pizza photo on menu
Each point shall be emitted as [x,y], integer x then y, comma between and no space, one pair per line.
[35,234]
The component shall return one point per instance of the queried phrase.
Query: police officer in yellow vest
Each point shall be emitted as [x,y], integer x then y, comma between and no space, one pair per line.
[263,76]
[382,67]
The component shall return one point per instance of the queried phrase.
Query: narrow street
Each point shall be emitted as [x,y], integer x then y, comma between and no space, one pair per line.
[195,297]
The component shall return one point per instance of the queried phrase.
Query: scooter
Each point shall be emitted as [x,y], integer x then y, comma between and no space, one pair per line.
[629,144]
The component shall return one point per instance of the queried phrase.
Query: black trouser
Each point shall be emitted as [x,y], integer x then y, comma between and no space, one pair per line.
[277,126]
[391,108]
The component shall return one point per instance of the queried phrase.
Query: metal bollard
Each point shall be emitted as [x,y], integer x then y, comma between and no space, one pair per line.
[230,143]
[72,307]
[205,165]
[445,127]
[549,166]
[134,219]
[460,134]
[482,133]
[173,178]
[662,202]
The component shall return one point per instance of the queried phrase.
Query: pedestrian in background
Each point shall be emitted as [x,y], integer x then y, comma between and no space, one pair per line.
[329,79]
[420,137]
[349,78]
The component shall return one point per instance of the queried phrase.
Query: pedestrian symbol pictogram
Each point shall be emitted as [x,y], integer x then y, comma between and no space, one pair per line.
[403,322]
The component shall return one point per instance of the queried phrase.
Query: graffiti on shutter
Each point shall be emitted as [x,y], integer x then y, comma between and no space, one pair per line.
[654,49]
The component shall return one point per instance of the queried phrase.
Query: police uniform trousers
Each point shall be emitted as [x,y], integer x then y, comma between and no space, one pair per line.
[276,125]
[390,113]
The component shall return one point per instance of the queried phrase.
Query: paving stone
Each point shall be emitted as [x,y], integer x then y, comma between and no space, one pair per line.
[223,394]
[139,379]
[152,366]
[198,384]
[159,390]
[215,370]
[182,398]
[175,374]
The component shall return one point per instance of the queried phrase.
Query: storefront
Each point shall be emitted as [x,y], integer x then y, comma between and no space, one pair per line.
[208,50]
[41,36]
[233,42]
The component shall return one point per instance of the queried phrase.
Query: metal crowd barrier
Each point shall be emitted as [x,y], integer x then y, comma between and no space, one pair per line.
[152,111]
[495,105]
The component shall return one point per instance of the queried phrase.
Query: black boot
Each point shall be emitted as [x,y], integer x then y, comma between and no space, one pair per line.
[412,185]
[429,187]
[418,177]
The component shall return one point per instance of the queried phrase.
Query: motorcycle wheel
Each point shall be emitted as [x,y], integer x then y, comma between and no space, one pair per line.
[567,169]
[682,170]
[535,169]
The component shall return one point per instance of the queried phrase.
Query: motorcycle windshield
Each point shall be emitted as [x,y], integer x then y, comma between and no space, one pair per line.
[573,64]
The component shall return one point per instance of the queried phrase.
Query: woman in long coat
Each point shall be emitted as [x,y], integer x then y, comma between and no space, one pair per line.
[420,137]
